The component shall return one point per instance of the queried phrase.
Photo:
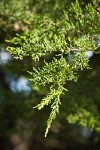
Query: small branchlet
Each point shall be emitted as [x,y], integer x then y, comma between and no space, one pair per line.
[47,36]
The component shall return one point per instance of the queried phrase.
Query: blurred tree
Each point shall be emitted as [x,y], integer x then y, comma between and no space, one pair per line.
[53,38]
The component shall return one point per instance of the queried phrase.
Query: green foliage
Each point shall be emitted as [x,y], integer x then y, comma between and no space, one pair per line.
[48,36]
[84,118]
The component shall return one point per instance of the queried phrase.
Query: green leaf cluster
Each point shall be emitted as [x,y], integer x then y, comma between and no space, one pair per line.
[48,36]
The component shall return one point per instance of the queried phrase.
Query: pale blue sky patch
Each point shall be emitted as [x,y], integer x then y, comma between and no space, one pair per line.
[5,57]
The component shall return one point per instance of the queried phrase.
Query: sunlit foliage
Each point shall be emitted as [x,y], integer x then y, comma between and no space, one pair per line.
[54,29]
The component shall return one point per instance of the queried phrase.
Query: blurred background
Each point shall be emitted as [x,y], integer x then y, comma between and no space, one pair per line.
[21,126]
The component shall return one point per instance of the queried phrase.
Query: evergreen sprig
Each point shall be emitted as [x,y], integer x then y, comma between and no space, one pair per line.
[73,32]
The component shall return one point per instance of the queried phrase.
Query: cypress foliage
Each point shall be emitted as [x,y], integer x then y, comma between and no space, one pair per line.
[55,30]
